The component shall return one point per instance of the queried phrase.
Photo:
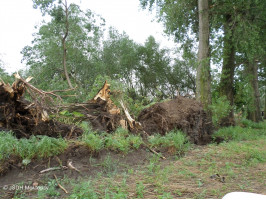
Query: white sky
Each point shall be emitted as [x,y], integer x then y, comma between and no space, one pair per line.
[18,18]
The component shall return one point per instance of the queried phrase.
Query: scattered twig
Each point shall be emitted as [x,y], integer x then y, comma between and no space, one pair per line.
[60,185]
[52,169]
[153,151]
[70,165]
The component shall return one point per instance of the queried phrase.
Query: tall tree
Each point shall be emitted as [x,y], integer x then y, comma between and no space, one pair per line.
[231,27]
[66,10]
[60,13]
[56,53]
[188,20]
[254,113]
[228,69]
[203,82]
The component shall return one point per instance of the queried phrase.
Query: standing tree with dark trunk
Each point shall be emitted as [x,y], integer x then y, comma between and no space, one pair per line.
[227,77]
[64,44]
[254,112]
[203,80]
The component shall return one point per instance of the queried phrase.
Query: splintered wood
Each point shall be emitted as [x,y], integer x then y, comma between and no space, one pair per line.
[32,118]
[27,118]
[104,94]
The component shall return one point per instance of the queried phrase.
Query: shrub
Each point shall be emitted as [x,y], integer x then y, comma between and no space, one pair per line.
[121,140]
[117,142]
[48,146]
[176,140]
[135,141]
[93,141]
[251,124]
[220,108]
[7,144]
[238,133]
[36,146]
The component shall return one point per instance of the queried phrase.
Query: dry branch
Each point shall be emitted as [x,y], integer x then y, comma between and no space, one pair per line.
[60,185]
[52,169]
[71,166]
[153,151]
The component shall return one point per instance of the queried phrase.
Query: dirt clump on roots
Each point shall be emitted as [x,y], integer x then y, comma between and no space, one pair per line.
[181,113]
[26,118]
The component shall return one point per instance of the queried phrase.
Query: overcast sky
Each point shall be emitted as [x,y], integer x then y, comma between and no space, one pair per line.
[18,18]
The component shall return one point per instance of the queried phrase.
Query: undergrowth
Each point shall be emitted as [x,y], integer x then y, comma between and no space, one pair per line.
[34,147]
[176,141]
[250,131]
[239,160]
[120,141]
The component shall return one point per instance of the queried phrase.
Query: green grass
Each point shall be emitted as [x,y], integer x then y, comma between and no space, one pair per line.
[122,141]
[240,159]
[254,125]
[251,131]
[92,141]
[84,190]
[26,149]
[175,141]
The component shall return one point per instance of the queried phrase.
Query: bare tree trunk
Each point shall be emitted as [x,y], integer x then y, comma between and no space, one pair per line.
[203,80]
[254,112]
[227,78]
[64,46]
[264,116]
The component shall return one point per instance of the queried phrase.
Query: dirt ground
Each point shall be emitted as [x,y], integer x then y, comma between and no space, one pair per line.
[188,177]
[81,158]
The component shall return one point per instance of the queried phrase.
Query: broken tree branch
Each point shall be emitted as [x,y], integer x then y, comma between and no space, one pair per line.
[70,165]
[52,169]
[60,185]
[153,151]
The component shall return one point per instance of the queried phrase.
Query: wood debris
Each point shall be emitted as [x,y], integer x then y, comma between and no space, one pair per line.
[60,185]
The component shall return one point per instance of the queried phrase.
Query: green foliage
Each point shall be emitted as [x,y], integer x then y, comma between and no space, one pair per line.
[90,138]
[117,143]
[121,141]
[45,55]
[26,148]
[134,141]
[220,108]
[140,190]
[109,165]
[176,140]
[68,117]
[35,147]
[51,192]
[153,165]
[249,152]
[84,190]
[93,141]
[250,124]
[238,133]
[48,146]
[8,144]
[3,75]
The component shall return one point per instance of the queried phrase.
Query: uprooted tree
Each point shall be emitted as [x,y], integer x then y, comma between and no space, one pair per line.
[26,118]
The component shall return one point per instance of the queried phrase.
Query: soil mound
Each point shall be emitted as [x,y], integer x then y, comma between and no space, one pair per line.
[181,113]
